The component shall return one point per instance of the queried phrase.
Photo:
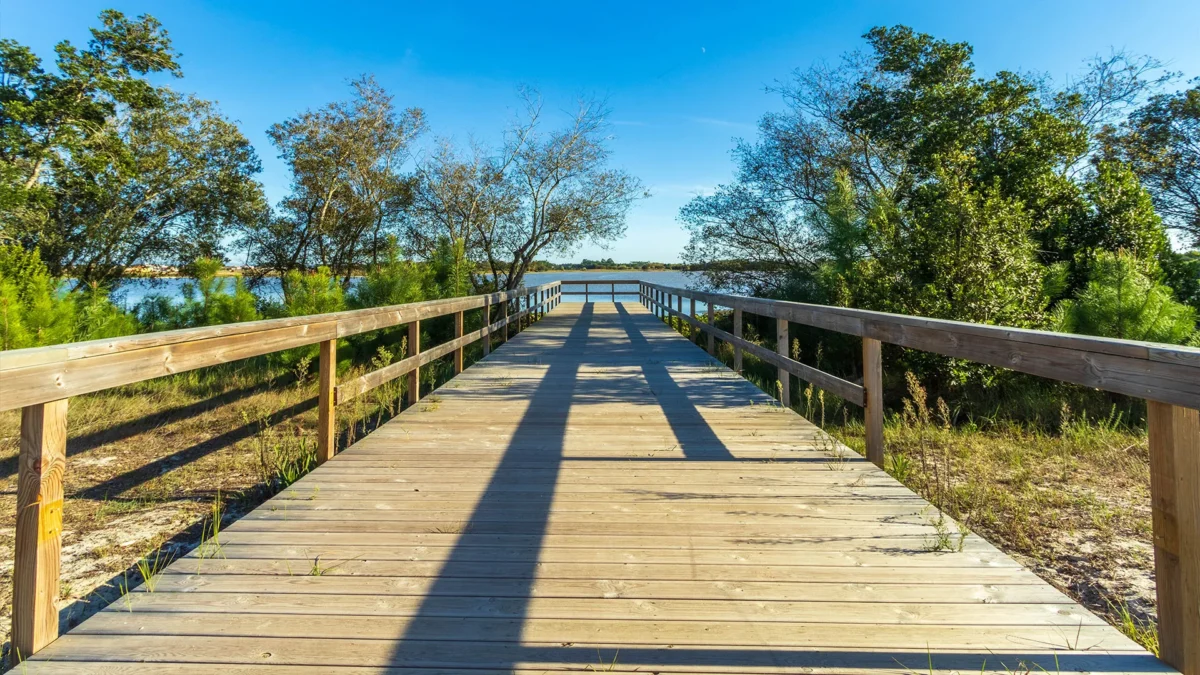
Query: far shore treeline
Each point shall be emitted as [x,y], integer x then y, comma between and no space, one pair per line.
[898,179]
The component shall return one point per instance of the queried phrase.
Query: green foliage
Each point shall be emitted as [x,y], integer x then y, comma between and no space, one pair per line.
[315,292]
[45,117]
[392,282]
[1121,301]
[905,181]
[102,170]
[1161,140]
[450,271]
[34,312]
[209,299]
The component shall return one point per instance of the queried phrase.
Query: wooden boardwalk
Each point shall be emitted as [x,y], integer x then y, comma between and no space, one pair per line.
[598,494]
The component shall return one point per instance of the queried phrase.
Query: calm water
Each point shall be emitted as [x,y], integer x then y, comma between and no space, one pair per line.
[134,290]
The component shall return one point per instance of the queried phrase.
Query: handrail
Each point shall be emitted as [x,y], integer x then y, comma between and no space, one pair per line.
[1167,376]
[41,380]
[42,374]
[1161,372]
[588,283]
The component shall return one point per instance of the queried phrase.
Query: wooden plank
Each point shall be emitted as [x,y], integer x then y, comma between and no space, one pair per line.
[1175,502]
[38,538]
[326,401]
[873,412]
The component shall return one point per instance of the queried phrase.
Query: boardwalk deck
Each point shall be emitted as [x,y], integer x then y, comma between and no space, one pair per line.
[597,484]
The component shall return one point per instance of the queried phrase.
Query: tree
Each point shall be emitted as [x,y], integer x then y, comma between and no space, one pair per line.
[45,118]
[1161,141]
[542,192]
[161,185]
[1122,301]
[348,191]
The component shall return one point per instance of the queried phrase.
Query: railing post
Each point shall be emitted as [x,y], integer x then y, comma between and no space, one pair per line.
[712,339]
[326,412]
[414,348]
[38,545]
[586,287]
[458,332]
[781,348]
[692,313]
[1175,506]
[737,333]
[873,411]
[679,308]
[504,318]
[613,287]
[487,325]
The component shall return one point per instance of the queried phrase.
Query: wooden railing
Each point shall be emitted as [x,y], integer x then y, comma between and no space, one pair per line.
[612,293]
[1167,376]
[40,381]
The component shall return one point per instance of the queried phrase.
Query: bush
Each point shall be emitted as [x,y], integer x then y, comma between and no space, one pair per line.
[1121,301]
[35,311]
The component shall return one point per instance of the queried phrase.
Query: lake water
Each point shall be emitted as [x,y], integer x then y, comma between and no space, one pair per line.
[133,291]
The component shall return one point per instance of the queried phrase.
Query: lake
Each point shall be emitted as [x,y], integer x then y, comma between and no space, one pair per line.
[133,291]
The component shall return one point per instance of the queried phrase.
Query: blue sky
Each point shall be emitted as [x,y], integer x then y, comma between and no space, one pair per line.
[682,79]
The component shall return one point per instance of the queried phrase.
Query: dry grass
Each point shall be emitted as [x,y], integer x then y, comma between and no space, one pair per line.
[1073,506]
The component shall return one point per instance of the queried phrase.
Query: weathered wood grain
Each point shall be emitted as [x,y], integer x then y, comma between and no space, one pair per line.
[38,546]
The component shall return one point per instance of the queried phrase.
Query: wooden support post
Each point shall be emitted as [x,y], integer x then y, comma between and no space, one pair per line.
[613,288]
[504,317]
[679,309]
[692,313]
[326,412]
[781,348]
[737,333]
[458,332]
[1175,505]
[873,412]
[414,348]
[487,322]
[586,287]
[712,339]
[38,546]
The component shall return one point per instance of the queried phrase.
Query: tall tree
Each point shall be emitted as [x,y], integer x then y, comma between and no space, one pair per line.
[159,185]
[46,117]
[1161,141]
[348,191]
[541,192]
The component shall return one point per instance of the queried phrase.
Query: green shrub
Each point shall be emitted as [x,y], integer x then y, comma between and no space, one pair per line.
[1122,301]
[35,310]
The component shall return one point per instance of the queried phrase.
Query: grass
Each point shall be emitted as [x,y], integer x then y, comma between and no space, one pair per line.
[150,566]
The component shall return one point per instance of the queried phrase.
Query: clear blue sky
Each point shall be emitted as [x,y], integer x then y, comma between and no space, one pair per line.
[683,80]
